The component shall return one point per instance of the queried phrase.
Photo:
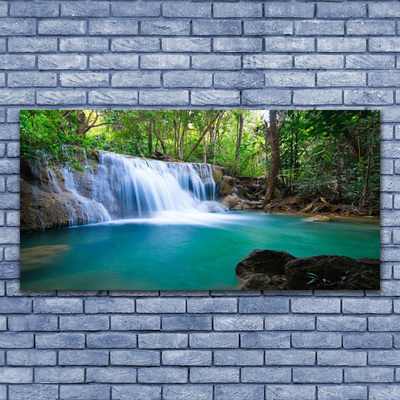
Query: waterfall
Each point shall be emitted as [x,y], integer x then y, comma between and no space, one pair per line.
[125,187]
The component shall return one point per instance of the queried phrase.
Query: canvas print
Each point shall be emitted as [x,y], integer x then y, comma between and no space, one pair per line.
[200,200]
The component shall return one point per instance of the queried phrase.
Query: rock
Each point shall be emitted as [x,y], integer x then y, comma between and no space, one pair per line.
[263,262]
[226,186]
[265,282]
[217,173]
[318,218]
[230,201]
[339,272]
[34,258]
[238,207]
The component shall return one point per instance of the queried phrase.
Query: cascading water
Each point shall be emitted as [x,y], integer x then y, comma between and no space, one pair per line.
[123,187]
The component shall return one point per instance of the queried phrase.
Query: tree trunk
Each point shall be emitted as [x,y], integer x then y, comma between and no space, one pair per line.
[273,172]
[205,149]
[238,143]
[82,125]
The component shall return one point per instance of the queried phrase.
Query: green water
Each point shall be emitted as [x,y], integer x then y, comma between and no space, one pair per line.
[186,252]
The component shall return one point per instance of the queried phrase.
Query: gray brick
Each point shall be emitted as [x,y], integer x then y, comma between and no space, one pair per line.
[31,357]
[109,96]
[237,10]
[381,392]
[165,28]
[32,322]
[263,374]
[83,357]
[217,27]
[370,61]
[186,357]
[32,45]
[367,306]
[32,79]
[63,97]
[115,27]
[135,322]
[187,79]
[14,61]
[37,392]
[109,305]
[317,27]
[187,323]
[210,97]
[261,340]
[384,78]
[214,340]
[16,375]
[386,323]
[387,44]
[111,375]
[135,357]
[345,392]
[19,26]
[57,306]
[364,27]
[317,96]
[178,392]
[367,341]
[242,392]
[237,45]
[111,340]
[259,97]
[239,80]
[267,61]
[162,375]
[3,9]
[84,323]
[319,340]
[342,78]
[193,45]
[289,79]
[135,9]
[288,44]
[317,375]
[289,323]
[59,375]
[342,358]
[290,357]
[84,79]
[288,10]
[85,9]
[164,61]
[368,97]
[325,306]
[384,357]
[290,392]
[345,10]
[98,392]
[319,61]
[16,340]
[62,61]
[163,340]
[341,323]
[154,98]
[212,305]
[341,45]
[216,62]
[36,9]
[15,306]
[89,45]
[8,235]
[214,375]
[60,340]
[238,357]
[113,61]
[180,9]
[138,44]
[269,27]
[241,323]
[61,27]
[368,374]
[384,10]
[263,305]
[136,392]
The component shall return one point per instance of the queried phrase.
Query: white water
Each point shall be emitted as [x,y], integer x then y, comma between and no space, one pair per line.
[127,187]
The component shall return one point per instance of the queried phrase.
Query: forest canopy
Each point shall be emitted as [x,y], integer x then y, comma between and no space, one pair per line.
[334,154]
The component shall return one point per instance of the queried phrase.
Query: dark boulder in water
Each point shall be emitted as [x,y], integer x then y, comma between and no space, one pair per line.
[277,270]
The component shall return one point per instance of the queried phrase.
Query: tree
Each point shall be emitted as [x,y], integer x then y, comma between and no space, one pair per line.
[273,132]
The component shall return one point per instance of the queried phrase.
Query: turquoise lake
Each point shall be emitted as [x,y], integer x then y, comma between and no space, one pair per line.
[186,251]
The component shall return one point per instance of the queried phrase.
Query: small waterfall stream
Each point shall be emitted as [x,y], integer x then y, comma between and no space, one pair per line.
[123,187]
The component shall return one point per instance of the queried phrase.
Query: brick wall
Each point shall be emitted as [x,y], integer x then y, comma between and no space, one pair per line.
[199,345]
